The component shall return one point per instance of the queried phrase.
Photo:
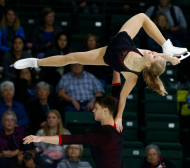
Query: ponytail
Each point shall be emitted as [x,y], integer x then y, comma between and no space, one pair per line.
[151,76]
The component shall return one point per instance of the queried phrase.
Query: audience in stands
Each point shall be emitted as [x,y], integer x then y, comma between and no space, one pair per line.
[87,6]
[79,88]
[9,28]
[52,154]
[10,138]
[101,72]
[26,158]
[44,33]
[175,17]
[73,154]
[154,158]
[25,86]
[7,103]
[37,110]
[17,52]
[61,46]
[162,23]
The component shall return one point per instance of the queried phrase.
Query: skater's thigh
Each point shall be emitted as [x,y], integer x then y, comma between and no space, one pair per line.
[133,25]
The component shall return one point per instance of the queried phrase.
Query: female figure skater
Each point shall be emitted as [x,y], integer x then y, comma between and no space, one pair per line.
[122,56]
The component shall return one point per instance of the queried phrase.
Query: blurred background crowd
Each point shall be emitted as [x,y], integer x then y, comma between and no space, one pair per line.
[58,100]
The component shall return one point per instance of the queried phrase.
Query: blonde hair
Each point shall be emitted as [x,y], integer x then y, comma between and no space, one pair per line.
[167,22]
[16,24]
[151,76]
[60,130]
[67,150]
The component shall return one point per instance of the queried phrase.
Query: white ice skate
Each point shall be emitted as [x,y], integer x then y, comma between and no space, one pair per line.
[170,50]
[25,63]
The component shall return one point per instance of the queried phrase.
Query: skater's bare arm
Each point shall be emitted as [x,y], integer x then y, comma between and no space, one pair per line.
[131,80]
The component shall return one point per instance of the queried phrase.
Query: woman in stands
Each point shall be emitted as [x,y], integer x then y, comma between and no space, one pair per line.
[122,56]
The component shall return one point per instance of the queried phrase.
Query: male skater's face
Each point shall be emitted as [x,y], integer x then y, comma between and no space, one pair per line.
[98,112]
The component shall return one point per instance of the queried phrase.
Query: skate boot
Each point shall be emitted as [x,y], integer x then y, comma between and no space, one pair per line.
[25,63]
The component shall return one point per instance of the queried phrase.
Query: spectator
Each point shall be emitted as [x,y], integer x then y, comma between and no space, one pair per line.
[100,72]
[175,17]
[61,46]
[17,52]
[40,107]
[26,158]
[162,23]
[10,27]
[79,88]
[44,34]
[10,138]
[73,153]
[87,6]
[52,154]
[7,103]
[154,158]
[25,86]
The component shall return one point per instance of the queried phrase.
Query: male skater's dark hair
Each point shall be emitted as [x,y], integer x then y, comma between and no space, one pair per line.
[109,102]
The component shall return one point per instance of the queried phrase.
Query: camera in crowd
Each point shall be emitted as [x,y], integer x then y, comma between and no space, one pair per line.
[26,150]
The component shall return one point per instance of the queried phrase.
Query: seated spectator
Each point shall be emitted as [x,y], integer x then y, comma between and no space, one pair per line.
[162,23]
[74,153]
[79,88]
[37,110]
[7,103]
[101,72]
[87,6]
[10,27]
[61,46]
[17,52]
[154,158]
[26,158]
[10,138]
[51,154]
[175,17]
[25,86]
[44,34]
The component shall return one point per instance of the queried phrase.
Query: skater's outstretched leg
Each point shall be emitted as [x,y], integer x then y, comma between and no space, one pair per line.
[133,25]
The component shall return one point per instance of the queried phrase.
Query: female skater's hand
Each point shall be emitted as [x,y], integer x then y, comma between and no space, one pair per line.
[174,60]
[118,124]
[31,138]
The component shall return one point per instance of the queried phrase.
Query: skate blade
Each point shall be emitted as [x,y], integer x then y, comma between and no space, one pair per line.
[181,56]
[12,65]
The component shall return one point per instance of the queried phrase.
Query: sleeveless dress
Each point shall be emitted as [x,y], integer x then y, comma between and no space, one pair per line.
[117,50]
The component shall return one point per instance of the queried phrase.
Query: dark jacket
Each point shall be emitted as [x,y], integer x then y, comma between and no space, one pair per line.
[18,108]
[166,163]
[10,72]
[14,164]
[18,135]
[39,45]
[37,115]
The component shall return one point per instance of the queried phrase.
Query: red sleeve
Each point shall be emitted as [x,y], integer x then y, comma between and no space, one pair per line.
[59,139]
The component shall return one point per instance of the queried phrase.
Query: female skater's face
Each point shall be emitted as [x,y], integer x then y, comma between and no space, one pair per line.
[49,18]
[9,122]
[62,41]
[18,45]
[52,120]
[150,57]
[10,16]
[152,157]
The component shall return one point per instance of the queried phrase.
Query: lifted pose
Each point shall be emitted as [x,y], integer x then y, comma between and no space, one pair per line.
[122,56]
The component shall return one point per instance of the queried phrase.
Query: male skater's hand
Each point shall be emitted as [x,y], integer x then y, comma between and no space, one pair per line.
[31,138]
[175,60]
[118,124]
